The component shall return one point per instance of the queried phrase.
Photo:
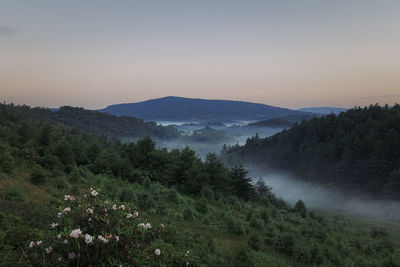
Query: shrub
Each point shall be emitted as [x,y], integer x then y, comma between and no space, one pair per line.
[256,223]
[188,214]
[207,193]
[14,193]
[128,195]
[254,241]
[378,233]
[147,183]
[7,162]
[61,182]
[173,196]
[285,243]
[38,176]
[300,207]
[201,206]
[234,225]
[242,256]
[146,201]
[91,231]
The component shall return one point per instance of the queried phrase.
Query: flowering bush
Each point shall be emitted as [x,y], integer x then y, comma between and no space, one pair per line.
[91,231]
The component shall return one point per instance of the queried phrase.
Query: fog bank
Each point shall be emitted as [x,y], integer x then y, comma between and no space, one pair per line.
[322,198]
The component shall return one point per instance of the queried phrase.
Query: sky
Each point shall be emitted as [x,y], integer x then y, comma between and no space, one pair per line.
[285,53]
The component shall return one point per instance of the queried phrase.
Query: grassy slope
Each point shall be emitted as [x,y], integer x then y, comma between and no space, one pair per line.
[169,207]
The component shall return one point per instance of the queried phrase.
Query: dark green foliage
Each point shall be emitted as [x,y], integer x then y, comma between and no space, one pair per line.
[300,207]
[13,193]
[7,162]
[147,183]
[254,241]
[241,184]
[357,150]
[242,256]
[38,176]
[201,206]
[99,123]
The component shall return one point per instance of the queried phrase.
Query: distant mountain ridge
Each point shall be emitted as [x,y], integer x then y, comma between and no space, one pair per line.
[323,110]
[173,108]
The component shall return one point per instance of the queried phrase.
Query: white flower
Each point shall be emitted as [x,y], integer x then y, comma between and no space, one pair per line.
[122,207]
[38,243]
[114,207]
[88,239]
[75,233]
[54,225]
[187,253]
[65,241]
[59,236]
[59,215]
[136,214]
[69,197]
[162,225]
[89,211]
[93,192]
[102,239]
[145,226]
[32,244]
[157,252]
[116,238]
[71,255]
[129,216]
[48,250]
[68,209]
[60,259]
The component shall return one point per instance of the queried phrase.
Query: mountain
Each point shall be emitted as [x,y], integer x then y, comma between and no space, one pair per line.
[192,109]
[323,110]
[100,123]
[357,150]
[278,122]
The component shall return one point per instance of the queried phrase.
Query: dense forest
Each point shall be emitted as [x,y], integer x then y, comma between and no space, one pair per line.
[101,124]
[357,150]
[68,198]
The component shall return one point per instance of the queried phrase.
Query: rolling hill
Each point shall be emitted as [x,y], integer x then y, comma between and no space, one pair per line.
[99,123]
[190,109]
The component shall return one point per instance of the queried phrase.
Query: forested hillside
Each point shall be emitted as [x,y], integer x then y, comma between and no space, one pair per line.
[193,109]
[72,199]
[100,123]
[357,150]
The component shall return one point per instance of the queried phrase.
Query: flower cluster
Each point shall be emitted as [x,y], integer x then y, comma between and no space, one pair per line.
[38,243]
[89,225]
[75,233]
[145,226]
[69,197]
[93,192]
[134,215]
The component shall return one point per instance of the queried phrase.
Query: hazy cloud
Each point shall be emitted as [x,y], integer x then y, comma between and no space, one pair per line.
[6,30]
[380,96]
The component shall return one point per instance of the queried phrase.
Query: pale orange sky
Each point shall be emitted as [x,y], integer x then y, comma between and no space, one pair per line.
[283,53]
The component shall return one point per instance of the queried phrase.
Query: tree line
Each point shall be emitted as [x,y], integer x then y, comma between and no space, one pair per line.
[357,150]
